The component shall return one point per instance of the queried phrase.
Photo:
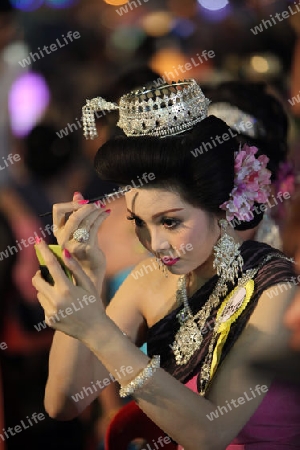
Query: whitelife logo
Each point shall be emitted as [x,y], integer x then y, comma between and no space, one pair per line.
[279,17]
[11,250]
[236,403]
[53,47]
[11,431]
[101,384]
[9,160]
[67,312]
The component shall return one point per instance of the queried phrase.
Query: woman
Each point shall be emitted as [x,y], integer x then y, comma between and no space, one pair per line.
[209,317]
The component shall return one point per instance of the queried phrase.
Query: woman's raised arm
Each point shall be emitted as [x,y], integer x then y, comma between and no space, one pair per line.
[75,374]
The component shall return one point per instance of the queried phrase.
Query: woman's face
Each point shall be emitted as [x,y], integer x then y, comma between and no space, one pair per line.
[181,235]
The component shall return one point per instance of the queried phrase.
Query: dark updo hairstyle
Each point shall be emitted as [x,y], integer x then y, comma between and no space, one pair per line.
[204,181]
[253,98]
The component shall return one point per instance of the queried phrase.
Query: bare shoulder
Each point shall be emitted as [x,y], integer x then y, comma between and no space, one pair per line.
[144,297]
[158,288]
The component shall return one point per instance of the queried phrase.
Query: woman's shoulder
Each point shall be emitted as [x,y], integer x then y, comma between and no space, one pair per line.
[259,254]
[155,289]
[143,298]
[146,269]
[149,270]
[273,266]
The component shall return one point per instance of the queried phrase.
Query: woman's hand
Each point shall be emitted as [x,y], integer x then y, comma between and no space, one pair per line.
[72,309]
[67,218]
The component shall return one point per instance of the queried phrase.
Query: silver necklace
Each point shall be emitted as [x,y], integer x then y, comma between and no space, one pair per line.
[189,337]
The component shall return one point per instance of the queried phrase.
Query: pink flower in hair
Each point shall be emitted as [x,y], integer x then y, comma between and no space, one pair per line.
[250,184]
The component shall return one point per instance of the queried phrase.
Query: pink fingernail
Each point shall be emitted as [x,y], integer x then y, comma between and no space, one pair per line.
[66,253]
[83,202]
[77,193]
[107,211]
[38,240]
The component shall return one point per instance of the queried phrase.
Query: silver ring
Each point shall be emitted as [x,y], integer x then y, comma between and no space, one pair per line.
[81,235]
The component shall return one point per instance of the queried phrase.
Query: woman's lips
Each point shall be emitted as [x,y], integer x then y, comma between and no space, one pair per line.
[169,261]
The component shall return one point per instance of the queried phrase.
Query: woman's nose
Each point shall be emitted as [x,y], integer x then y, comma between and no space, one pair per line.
[159,243]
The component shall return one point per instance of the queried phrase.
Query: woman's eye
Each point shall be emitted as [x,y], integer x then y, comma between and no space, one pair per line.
[170,223]
[138,222]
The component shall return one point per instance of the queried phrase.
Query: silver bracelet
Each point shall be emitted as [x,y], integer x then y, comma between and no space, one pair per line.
[141,378]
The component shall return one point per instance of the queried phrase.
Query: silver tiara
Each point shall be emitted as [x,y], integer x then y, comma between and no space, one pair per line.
[236,119]
[163,110]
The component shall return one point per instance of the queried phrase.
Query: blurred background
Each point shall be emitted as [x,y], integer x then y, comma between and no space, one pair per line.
[54,54]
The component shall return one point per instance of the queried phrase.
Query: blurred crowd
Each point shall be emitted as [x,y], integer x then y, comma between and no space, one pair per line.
[44,159]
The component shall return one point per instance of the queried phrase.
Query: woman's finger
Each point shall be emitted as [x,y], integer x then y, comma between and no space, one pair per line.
[47,306]
[79,219]
[41,285]
[85,248]
[96,225]
[80,276]
[61,210]
[77,196]
[87,223]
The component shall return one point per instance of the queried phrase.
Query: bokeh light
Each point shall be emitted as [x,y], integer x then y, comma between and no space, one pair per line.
[214,15]
[27,5]
[259,64]
[15,52]
[213,5]
[173,64]
[166,60]
[264,64]
[28,98]
[116,2]
[157,23]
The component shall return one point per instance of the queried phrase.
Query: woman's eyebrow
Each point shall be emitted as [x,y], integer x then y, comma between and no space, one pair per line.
[165,212]
[158,214]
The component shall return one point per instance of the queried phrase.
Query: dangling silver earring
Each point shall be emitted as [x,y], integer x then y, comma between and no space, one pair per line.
[165,271]
[161,267]
[228,260]
[158,262]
